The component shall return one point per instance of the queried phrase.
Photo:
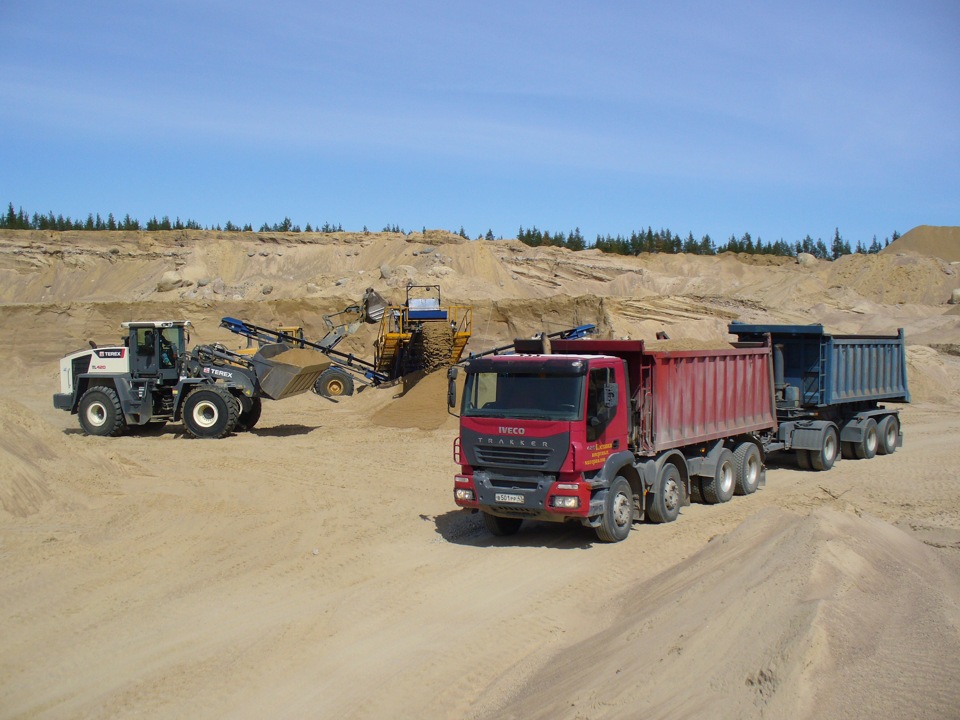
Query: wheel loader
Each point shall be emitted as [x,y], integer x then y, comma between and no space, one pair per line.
[151,379]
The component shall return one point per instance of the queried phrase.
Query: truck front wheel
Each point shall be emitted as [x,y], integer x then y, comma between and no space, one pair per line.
[100,413]
[210,412]
[501,526]
[664,506]
[617,512]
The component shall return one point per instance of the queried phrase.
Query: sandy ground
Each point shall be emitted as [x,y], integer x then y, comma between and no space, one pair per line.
[317,567]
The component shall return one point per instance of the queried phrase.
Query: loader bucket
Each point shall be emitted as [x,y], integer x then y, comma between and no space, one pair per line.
[374,305]
[284,371]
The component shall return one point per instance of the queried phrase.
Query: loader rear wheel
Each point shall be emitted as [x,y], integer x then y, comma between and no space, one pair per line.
[100,412]
[210,412]
[719,488]
[247,419]
[334,382]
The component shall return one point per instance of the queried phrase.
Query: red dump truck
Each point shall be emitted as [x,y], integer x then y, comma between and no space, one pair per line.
[606,432]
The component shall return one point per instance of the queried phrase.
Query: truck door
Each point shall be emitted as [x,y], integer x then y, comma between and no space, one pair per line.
[606,414]
[144,360]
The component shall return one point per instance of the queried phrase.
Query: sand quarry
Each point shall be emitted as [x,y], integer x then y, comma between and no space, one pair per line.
[317,567]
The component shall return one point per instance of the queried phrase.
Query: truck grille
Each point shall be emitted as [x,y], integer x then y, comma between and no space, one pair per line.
[532,458]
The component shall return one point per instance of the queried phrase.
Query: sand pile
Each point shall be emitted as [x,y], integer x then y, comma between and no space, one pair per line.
[787,616]
[422,404]
[934,241]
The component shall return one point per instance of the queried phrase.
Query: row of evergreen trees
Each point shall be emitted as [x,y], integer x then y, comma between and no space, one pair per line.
[650,241]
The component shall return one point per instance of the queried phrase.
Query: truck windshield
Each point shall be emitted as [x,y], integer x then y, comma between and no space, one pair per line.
[505,395]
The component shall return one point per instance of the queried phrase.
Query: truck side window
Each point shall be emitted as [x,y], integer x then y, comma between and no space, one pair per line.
[598,415]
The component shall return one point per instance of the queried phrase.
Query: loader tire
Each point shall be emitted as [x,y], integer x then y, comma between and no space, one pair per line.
[334,382]
[247,419]
[210,412]
[100,412]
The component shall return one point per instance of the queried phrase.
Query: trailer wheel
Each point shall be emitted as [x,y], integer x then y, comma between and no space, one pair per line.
[617,512]
[664,506]
[501,526]
[100,412]
[848,450]
[749,466]
[889,432]
[719,488]
[803,459]
[824,458]
[334,382]
[867,447]
[246,420]
[210,411]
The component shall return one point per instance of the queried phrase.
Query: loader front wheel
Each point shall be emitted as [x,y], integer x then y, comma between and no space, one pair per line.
[334,382]
[210,412]
[100,412]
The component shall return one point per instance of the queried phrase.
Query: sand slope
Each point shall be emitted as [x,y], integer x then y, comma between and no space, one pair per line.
[317,566]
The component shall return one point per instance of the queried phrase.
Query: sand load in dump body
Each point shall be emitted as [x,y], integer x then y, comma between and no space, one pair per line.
[283,371]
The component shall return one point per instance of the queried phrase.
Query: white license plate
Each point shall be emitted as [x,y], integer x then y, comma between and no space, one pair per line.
[508,498]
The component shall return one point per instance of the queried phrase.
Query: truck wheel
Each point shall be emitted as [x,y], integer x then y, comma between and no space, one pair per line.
[100,412]
[824,458]
[719,488]
[848,450]
[748,466]
[803,459]
[889,432]
[334,382]
[617,512]
[664,507]
[867,447]
[247,419]
[501,526]
[210,412]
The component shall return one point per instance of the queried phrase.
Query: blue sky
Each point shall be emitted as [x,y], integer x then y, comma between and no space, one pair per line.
[778,119]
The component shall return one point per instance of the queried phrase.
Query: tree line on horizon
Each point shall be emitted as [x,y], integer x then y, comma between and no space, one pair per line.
[642,241]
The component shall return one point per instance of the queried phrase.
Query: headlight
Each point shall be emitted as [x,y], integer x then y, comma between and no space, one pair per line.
[566,502]
[463,494]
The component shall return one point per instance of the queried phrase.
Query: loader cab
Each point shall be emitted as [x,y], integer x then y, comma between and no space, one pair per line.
[156,348]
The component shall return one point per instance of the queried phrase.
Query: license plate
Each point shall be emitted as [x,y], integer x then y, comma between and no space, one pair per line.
[508,498]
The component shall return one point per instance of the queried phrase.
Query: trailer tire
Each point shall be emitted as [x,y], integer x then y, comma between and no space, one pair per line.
[824,458]
[867,447]
[210,411]
[749,468]
[100,412]
[247,420]
[803,459]
[719,488]
[889,432]
[617,512]
[664,507]
[848,451]
[334,382]
[501,526]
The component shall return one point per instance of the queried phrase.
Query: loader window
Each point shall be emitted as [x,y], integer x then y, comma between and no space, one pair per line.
[145,341]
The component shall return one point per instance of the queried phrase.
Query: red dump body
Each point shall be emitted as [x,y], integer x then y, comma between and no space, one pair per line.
[686,397]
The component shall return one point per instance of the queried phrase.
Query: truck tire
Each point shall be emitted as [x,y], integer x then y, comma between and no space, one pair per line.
[824,458]
[247,419]
[210,412]
[501,526]
[867,447]
[719,488]
[889,432]
[664,506]
[748,466]
[334,382]
[100,412]
[617,512]
[803,459]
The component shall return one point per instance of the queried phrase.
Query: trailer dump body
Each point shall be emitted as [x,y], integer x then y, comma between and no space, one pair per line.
[835,369]
[690,396]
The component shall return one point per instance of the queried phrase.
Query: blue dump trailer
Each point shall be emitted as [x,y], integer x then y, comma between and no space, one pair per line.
[828,388]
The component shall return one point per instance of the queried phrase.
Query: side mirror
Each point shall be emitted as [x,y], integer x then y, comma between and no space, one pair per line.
[452,387]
